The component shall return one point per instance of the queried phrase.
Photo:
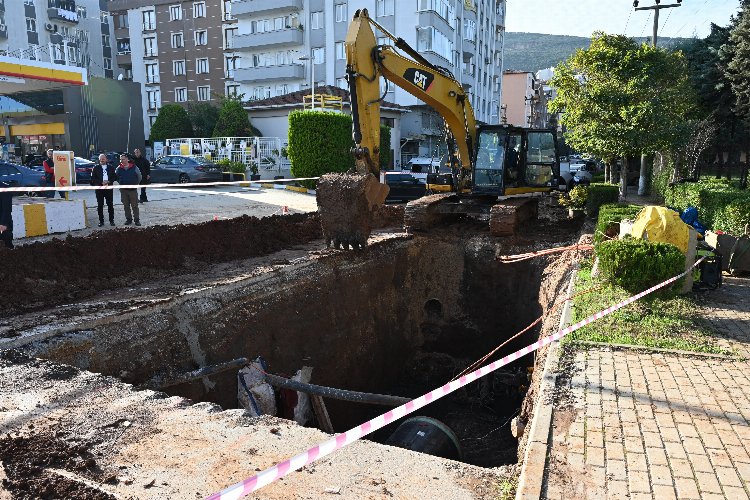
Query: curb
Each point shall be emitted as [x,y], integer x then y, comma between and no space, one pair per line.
[660,350]
[48,217]
[531,479]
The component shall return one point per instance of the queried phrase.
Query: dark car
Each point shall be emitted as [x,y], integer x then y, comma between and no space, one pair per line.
[83,170]
[404,187]
[113,157]
[34,161]
[18,175]
[184,169]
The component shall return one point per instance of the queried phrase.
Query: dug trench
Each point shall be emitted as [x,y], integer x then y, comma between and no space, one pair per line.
[402,317]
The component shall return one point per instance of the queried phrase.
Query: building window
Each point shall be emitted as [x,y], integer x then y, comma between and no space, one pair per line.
[177,40]
[104,18]
[121,21]
[261,92]
[233,90]
[105,40]
[30,24]
[107,62]
[149,20]
[231,65]
[149,46]
[282,89]
[340,52]
[319,55]
[175,12]
[180,94]
[123,46]
[229,35]
[154,99]
[204,93]
[434,40]
[201,37]
[316,20]
[152,72]
[201,65]
[81,11]
[341,13]
[342,83]
[384,40]
[178,68]
[227,10]
[470,29]
[152,119]
[442,7]
[384,8]
[199,9]
[284,57]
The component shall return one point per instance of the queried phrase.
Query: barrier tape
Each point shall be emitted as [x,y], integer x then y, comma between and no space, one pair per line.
[38,189]
[278,471]
[510,259]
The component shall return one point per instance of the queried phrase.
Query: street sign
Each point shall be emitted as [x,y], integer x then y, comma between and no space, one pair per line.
[65,174]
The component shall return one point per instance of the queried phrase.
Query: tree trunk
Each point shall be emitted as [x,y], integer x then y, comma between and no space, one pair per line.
[643,183]
[624,177]
[719,163]
[615,173]
[608,171]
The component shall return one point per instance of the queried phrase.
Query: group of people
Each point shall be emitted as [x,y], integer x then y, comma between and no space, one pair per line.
[128,173]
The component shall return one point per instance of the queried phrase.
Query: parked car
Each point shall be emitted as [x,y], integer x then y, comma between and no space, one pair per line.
[574,174]
[34,161]
[18,175]
[184,169]
[404,186]
[422,164]
[83,170]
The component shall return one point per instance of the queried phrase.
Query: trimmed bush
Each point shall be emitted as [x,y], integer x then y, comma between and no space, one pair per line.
[599,194]
[320,142]
[635,264]
[609,219]
[721,205]
[734,217]
[385,147]
[576,198]
[171,122]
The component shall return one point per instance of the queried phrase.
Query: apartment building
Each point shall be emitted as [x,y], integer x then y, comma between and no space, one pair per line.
[179,50]
[70,32]
[281,44]
[525,99]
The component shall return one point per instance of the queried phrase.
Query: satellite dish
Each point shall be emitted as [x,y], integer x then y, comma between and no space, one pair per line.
[119,77]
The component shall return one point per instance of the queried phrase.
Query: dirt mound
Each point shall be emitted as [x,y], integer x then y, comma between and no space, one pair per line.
[53,272]
[388,216]
[34,468]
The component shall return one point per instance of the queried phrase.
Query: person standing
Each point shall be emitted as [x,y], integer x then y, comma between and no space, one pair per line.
[145,167]
[103,174]
[6,216]
[129,175]
[49,174]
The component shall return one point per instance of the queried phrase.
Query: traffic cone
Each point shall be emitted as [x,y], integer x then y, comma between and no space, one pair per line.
[285,210]
[216,217]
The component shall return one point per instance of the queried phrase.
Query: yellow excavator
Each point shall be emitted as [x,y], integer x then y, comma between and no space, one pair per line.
[495,169]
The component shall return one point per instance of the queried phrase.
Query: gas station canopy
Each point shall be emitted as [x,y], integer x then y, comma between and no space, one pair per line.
[23,75]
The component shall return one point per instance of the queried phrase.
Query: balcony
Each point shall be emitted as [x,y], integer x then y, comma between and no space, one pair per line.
[281,38]
[264,7]
[267,73]
[60,14]
[124,60]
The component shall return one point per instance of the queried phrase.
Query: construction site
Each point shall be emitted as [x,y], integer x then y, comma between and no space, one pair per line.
[95,398]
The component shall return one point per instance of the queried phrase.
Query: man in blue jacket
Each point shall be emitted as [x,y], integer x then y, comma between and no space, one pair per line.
[6,219]
[129,175]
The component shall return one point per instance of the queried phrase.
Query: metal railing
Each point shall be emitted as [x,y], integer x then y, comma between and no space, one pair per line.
[322,101]
[258,152]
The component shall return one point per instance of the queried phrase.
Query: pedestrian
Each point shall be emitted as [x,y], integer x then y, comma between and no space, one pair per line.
[129,175]
[6,216]
[49,174]
[103,174]
[145,167]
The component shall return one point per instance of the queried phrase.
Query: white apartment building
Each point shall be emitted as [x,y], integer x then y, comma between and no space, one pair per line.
[281,43]
[72,32]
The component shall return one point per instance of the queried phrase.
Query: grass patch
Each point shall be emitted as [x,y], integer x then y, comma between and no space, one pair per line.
[506,489]
[666,323]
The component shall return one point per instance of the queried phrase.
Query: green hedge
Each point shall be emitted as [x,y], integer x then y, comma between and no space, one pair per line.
[319,143]
[599,194]
[635,264]
[610,216]
[721,205]
[385,147]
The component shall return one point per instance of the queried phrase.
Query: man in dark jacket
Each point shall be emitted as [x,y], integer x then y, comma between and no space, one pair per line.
[129,175]
[49,174]
[6,218]
[103,174]
[145,167]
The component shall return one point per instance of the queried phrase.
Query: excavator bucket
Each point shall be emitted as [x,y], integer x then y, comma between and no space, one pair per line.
[345,205]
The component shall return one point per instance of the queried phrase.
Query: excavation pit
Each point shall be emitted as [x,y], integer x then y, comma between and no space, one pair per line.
[402,317]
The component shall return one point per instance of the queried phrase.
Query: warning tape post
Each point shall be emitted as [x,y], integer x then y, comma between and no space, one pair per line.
[278,471]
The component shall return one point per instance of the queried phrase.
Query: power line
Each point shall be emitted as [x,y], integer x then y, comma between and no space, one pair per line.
[630,13]
[645,25]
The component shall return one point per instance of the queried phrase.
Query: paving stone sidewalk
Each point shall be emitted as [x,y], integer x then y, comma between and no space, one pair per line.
[630,424]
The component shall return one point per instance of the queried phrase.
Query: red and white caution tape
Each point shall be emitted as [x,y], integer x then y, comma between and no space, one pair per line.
[39,189]
[509,259]
[268,476]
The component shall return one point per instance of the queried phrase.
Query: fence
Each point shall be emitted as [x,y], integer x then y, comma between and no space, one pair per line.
[258,152]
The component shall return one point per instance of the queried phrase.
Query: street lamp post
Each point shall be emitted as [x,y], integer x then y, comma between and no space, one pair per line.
[312,77]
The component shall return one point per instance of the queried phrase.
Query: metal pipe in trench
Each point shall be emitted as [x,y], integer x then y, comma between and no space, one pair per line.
[330,392]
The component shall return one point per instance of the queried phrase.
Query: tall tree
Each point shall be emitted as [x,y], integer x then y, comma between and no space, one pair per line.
[171,122]
[233,120]
[738,72]
[620,99]
[203,116]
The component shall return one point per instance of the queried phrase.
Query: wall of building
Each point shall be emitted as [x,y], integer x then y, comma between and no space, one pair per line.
[517,90]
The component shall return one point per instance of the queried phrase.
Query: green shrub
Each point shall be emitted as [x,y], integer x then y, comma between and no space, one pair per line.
[319,143]
[598,178]
[576,198]
[172,122]
[635,264]
[385,147]
[599,194]
[236,167]
[610,216]
[713,199]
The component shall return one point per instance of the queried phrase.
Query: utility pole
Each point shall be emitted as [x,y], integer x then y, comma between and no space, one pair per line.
[643,178]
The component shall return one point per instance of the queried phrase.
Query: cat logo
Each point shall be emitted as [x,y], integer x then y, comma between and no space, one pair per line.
[419,77]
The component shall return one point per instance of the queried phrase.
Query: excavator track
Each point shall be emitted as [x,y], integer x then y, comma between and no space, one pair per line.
[506,217]
[345,204]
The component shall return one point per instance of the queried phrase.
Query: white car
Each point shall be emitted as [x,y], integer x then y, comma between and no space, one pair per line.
[574,174]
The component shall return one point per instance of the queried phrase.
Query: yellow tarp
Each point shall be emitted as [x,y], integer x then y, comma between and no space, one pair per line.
[660,224]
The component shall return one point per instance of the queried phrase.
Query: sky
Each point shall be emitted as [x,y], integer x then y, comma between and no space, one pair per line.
[583,17]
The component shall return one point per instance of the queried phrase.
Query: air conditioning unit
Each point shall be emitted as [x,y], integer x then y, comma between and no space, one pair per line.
[50,27]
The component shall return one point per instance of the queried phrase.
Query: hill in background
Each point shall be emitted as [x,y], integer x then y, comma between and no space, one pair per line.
[535,51]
